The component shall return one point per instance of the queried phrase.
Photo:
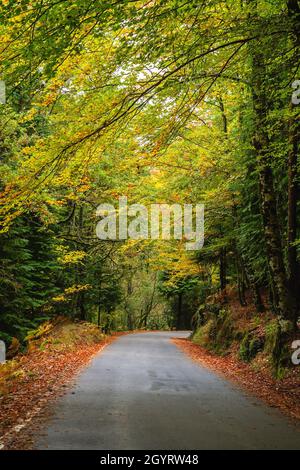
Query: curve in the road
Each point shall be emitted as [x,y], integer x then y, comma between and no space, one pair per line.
[142,392]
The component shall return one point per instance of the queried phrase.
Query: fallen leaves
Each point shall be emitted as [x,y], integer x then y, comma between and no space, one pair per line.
[35,380]
[283,394]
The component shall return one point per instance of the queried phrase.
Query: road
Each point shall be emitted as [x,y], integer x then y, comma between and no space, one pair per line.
[142,392]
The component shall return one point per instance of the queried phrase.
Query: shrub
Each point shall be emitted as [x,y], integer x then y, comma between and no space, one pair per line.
[250,347]
[217,333]
[277,333]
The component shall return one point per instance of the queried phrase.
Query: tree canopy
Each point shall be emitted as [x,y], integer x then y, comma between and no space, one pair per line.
[166,101]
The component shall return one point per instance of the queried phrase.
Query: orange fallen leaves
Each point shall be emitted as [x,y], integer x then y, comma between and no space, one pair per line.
[283,394]
[42,376]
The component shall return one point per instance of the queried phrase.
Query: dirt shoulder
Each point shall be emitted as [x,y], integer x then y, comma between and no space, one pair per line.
[29,383]
[283,394]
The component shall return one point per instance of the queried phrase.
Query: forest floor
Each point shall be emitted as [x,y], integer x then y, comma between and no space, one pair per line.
[143,393]
[31,381]
[281,393]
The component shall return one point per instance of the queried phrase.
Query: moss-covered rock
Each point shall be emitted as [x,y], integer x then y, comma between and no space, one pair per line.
[250,346]
[277,333]
[203,334]
[217,333]
[260,339]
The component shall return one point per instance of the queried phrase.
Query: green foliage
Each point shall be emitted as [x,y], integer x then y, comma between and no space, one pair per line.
[277,345]
[108,99]
[250,346]
[217,333]
[28,270]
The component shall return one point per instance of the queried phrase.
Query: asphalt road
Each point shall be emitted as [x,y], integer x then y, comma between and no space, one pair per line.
[142,392]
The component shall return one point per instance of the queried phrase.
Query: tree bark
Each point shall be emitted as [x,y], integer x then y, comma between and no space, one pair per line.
[293,185]
[293,197]
[223,270]
[179,323]
[80,300]
[267,192]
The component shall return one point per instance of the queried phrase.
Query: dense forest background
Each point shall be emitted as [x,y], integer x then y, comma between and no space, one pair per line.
[162,101]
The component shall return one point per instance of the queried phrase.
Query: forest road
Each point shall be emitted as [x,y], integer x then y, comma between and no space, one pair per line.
[142,392]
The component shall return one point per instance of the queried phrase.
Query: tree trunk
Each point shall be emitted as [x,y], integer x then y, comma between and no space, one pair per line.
[179,322]
[223,269]
[99,303]
[128,308]
[267,192]
[293,197]
[80,300]
[252,283]
[223,266]
[293,185]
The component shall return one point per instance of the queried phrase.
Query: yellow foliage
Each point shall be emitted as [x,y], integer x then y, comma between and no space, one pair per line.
[69,291]
[72,257]
[13,348]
